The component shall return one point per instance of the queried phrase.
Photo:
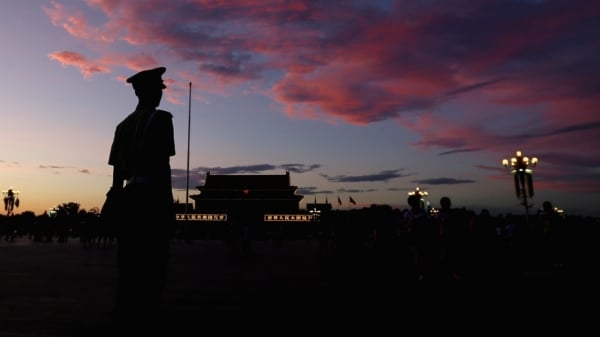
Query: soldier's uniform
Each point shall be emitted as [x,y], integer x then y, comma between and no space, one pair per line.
[140,154]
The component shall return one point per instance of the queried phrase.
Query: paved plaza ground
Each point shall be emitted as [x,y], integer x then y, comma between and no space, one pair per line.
[64,289]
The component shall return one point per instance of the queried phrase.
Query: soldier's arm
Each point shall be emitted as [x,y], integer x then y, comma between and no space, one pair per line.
[117,183]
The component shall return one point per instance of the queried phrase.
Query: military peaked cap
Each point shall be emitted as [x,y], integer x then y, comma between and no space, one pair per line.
[148,78]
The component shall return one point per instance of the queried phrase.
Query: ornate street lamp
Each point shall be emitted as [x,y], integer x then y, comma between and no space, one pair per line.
[520,167]
[421,194]
[418,192]
[315,213]
[11,200]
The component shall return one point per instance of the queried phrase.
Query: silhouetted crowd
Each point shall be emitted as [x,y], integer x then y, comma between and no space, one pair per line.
[415,243]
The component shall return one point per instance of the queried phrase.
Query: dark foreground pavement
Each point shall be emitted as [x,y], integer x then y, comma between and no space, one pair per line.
[63,289]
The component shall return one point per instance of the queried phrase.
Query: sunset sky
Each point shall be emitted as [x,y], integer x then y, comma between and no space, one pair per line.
[363,99]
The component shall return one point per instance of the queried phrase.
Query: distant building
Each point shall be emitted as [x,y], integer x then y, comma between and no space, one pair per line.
[260,203]
[246,195]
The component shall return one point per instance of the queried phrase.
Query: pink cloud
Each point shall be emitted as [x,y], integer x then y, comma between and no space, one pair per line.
[74,22]
[85,66]
[362,64]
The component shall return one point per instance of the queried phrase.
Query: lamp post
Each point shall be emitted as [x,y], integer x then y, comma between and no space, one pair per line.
[421,194]
[521,169]
[314,215]
[322,235]
[52,211]
[11,200]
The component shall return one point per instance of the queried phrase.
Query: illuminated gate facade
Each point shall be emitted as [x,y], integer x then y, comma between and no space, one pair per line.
[258,204]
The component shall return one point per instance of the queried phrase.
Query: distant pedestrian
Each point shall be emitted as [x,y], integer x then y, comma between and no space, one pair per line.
[551,233]
[451,238]
[424,239]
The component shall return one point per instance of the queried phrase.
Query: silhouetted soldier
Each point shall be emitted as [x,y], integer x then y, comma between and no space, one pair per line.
[140,155]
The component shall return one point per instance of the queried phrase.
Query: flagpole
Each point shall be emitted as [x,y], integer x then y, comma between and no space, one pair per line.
[187,178]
